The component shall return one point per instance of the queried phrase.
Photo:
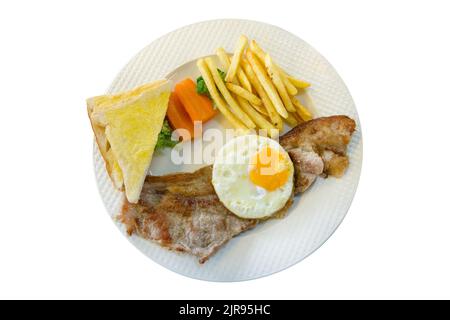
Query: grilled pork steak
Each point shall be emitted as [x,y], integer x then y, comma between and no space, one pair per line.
[182,211]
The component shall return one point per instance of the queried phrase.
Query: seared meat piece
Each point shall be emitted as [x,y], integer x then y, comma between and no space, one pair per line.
[182,211]
[318,147]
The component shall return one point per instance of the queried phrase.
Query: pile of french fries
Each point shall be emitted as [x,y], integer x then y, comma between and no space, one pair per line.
[256,93]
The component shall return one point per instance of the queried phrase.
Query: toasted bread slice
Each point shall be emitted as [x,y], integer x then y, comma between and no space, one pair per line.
[111,164]
[126,128]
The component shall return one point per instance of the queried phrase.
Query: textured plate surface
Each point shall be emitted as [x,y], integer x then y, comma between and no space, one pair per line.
[274,245]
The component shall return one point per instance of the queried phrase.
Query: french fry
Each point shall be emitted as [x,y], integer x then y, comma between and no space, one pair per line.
[297,117]
[274,74]
[308,102]
[221,105]
[256,49]
[301,84]
[291,84]
[291,120]
[273,114]
[232,70]
[235,108]
[291,89]
[261,109]
[244,80]
[267,84]
[241,92]
[302,111]
[225,60]
[260,121]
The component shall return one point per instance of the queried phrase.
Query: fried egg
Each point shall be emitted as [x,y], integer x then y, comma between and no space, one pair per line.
[253,176]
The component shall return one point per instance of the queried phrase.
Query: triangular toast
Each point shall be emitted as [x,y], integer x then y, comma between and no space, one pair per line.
[126,127]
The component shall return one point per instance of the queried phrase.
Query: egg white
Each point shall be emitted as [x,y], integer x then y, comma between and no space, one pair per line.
[233,186]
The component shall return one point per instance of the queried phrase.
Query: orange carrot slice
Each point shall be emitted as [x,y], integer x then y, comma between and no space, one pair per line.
[179,118]
[199,108]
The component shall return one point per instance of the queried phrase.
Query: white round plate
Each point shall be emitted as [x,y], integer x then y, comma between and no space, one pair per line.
[276,244]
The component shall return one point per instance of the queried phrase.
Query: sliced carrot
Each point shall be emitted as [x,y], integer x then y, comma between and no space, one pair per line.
[199,107]
[179,118]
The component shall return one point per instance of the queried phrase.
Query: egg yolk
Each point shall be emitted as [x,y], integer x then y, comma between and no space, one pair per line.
[269,169]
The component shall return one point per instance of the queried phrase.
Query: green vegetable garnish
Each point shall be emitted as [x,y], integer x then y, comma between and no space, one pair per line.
[201,85]
[222,74]
[164,137]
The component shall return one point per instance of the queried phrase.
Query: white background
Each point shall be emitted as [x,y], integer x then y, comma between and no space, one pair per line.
[56,240]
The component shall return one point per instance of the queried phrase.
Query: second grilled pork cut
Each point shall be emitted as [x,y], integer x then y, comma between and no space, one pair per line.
[318,147]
